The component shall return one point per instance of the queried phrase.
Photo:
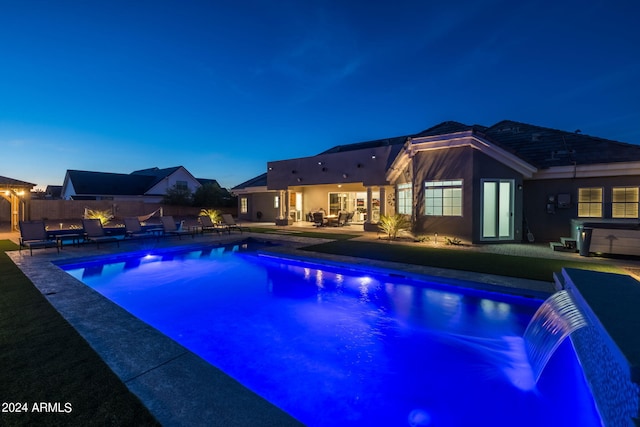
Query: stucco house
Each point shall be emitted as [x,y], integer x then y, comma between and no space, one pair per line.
[148,185]
[509,182]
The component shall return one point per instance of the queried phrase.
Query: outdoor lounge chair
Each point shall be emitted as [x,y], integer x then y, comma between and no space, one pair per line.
[33,235]
[230,224]
[133,229]
[170,228]
[207,224]
[93,232]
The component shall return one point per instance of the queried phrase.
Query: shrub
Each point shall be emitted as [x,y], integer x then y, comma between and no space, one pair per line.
[391,225]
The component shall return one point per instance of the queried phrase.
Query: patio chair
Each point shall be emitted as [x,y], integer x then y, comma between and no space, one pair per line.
[93,232]
[33,235]
[349,218]
[230,224]
[170,228]
[342,219]
[319,220]
[133,229]
[207,224]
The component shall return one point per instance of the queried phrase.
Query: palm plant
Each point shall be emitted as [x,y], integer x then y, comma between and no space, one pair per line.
[103,215]
[213,214]
[393,224]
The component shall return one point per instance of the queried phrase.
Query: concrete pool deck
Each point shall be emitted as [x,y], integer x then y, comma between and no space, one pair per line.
[178,387]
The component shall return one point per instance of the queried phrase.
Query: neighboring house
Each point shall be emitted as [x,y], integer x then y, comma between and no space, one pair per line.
[148,185]
[53,191]
[509,182]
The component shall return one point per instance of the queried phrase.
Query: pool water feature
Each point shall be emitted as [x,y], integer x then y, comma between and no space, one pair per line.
[339,346]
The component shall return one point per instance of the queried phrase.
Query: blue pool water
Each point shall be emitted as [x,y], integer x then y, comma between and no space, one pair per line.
[337,346]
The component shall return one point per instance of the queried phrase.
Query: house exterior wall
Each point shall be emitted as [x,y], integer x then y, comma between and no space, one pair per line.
[68,189]
[366,166]
[471,166]
[487,168]
[436,165]
[550,225]
[262,202]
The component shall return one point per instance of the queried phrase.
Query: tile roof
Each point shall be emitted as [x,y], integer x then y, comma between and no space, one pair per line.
[448,127]
[544,147]
[10,181]
[539,146]
[156,172]
[258,181]
[399,140]
[87,182]
[205,181]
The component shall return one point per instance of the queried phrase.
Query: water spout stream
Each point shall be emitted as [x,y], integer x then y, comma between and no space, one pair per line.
[556,319]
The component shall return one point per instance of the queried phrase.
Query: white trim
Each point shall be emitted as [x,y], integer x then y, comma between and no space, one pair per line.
[590,171]
[454,140]
[249,190]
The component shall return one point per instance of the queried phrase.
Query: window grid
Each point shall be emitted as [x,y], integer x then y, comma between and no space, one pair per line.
[624,202]
[244,205]
[443,198]
[590,202]
[405,199]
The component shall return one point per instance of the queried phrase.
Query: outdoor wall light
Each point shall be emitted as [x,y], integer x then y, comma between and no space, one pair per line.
[320,163]
[373,156]
[270,168]
[299,179]
[344,175]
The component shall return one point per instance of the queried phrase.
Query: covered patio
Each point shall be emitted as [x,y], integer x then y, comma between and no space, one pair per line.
[18,194]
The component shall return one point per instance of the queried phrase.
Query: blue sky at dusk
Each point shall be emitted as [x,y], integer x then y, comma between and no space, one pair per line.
[222,87]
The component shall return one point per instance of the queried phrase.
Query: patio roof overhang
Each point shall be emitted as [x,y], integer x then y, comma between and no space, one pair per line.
[16,192]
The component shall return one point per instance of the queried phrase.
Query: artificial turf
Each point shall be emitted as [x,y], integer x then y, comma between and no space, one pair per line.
[48,372]
[479,262]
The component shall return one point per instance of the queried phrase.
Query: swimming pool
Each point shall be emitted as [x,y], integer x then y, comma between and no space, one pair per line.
[339,346]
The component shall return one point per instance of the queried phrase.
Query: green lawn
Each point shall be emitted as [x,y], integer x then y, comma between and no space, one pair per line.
[465,260]
[43,359]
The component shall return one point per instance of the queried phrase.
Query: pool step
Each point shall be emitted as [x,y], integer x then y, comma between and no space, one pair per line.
[566,244]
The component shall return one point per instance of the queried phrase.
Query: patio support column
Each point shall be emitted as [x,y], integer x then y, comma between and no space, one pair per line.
[287,208]
[369,205]
[383,201]
[280,203]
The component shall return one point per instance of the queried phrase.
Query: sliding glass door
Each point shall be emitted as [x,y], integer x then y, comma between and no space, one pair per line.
[497,209]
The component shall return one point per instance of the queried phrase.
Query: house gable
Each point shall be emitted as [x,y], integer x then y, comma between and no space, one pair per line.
[466,138]
[167,178]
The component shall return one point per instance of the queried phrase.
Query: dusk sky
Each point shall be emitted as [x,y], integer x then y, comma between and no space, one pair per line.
[222,87]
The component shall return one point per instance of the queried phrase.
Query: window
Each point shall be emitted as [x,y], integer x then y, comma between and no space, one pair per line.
[405,199]
[625,202]
[276,202]
[244,204]
[590,202]
[443,198]
[182,185]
